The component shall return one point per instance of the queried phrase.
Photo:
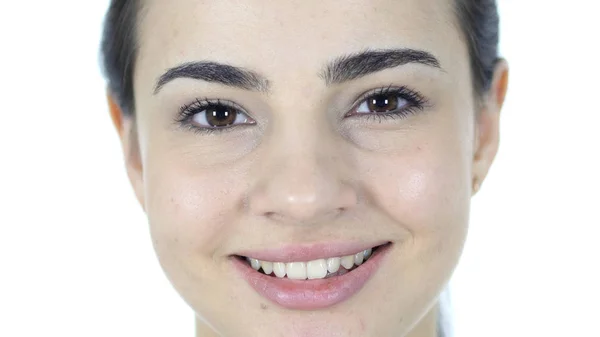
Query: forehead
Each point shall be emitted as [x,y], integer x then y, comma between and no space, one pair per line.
[292,36]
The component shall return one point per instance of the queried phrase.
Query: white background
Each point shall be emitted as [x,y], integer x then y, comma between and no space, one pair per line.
[76,257]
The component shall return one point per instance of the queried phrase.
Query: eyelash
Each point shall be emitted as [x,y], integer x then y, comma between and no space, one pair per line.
[414,102]
[188,111]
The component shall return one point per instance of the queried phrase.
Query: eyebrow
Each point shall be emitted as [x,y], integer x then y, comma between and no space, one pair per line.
[350,67]
[215,72]
[341,69]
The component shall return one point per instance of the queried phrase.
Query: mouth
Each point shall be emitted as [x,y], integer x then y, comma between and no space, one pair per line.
[294,282]
[312,270]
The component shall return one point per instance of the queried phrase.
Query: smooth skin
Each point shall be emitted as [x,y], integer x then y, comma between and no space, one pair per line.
[303,172]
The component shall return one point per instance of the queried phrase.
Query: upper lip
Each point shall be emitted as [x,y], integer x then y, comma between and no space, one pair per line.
[308,251]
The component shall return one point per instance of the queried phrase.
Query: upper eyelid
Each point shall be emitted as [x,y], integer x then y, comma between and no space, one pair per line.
[206,102]
[387,90]
[198,105]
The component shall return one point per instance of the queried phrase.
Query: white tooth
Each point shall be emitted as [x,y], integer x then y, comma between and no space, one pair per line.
[368,253]
[359,258]
[296,270]
[316,269]
[267,267]
[279,269]
[348,261]
[255,263]
[333,264]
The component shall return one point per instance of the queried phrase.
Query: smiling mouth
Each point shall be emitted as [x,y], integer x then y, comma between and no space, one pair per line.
[311,270]
[310,277]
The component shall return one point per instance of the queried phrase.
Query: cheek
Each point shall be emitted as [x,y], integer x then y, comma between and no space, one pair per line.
[424,189]
[425,194]
[189,208]
[421,177]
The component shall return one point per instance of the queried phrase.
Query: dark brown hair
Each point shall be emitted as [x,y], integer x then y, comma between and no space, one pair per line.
[478,21]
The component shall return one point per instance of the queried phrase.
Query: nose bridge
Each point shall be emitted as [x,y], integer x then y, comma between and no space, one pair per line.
[302,176]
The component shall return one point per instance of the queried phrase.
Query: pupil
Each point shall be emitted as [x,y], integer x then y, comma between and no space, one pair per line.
[220,116]
[383,103]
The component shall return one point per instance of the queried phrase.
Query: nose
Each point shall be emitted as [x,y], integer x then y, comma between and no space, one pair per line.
[304,178]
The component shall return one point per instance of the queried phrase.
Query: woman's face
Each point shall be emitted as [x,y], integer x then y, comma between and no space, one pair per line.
[299,131]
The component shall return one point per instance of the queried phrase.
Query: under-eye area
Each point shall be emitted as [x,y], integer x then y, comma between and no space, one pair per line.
[311,270]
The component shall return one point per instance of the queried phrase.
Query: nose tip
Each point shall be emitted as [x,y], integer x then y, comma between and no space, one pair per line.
[306,203]
[303,193]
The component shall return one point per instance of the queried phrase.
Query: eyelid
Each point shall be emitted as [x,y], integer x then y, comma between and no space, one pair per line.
[372,92]
[188,111]
[415,99]
[204,103]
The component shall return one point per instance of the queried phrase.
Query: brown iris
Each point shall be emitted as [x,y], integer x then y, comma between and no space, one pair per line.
[383,103]
[219,116]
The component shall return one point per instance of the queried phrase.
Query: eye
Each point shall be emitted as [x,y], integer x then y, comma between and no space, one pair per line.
[207,116]
[218,116]
[382,103]
[389,102]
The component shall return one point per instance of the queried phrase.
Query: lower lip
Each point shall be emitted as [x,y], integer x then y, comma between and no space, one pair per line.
[311,294]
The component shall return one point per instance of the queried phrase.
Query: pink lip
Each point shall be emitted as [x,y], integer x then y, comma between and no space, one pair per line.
[311,294]
[309,252]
